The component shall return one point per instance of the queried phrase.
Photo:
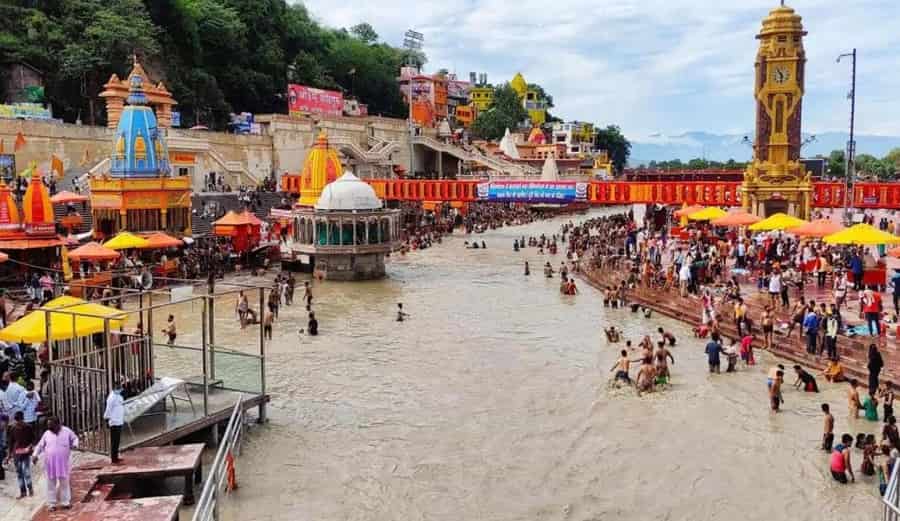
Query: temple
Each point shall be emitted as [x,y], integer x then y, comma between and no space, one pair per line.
[117,91]
[322,166]
[775,180]
[138,193]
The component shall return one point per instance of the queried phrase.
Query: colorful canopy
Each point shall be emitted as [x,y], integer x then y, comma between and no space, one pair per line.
[863,234]
[66,197]
[736,218]
[687,210]
[125,241]
[817,228]
[232,219]
[707,214]
[93,251]
[779,221]
[32,328]
[253,219]
[157,240]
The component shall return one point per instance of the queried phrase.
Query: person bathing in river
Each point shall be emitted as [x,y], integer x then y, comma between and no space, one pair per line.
[401,315]
[775,398]
[667,337]
[646,376]
[805,380]
[621,368]
[662,357]
[527,271]
[853,403]
[612,334]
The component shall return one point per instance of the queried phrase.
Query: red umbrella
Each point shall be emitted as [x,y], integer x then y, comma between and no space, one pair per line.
[66,197]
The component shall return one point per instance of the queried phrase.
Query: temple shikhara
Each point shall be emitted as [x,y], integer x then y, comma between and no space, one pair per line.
[139,193]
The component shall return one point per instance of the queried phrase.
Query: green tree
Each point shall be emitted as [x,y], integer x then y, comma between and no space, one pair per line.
[615,143]
[542,94]
[893,157]
[364,32]
[506,112]
[837,164]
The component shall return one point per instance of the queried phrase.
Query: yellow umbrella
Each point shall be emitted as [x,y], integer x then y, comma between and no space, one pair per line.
[32,328]
[708,214]
[779,221]
[126,241]
[864,234]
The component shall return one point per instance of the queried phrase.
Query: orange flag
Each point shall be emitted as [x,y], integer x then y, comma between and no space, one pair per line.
[56,166]
[86,157]
[20,141]
[1,146]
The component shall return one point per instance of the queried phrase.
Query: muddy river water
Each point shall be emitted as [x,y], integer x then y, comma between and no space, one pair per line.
[491,403]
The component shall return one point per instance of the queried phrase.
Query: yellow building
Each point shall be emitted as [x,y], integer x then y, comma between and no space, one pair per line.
[535,106]
[482,97]
[775,180]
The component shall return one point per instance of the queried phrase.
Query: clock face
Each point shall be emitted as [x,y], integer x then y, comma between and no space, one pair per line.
[780,75]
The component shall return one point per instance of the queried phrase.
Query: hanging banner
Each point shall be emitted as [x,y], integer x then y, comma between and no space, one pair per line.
[307,100]
[533,191]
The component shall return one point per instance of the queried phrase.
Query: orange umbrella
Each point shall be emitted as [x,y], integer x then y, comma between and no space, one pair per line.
[688,210]
[93,251]
[254,220]
[736,218]
[817,228]
[159,240]
[3,257]
[66,197]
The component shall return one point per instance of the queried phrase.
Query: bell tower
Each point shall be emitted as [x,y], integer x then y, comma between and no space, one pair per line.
[775,181]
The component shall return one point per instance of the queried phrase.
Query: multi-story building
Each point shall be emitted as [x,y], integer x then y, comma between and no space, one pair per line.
[577,136]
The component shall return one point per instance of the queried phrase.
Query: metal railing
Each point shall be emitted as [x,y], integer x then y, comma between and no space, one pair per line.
[217,476]
[891,498]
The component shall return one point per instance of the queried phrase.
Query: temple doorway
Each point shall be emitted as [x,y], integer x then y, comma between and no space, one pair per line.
[773,206]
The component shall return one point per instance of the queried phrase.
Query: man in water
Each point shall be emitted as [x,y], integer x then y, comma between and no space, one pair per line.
[806,380]
[312,327]
[667,337]
[646,376]
[713,349]
[307,294]
[828,435]
[401,315]
[840,460]
[662,356]
[775,391]
[170,330]
[621,367]
[853,403]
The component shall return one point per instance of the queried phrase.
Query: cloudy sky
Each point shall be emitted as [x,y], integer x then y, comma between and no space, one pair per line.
[651,66]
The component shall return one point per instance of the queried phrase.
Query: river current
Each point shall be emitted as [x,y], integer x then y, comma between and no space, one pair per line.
[491,402]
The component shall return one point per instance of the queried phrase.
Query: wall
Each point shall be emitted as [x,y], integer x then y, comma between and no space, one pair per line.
[282,147]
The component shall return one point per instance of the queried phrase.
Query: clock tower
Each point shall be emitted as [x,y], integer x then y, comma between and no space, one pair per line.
[774,180]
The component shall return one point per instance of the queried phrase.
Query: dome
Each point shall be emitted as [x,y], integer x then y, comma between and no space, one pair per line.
[348,193]
[140,149]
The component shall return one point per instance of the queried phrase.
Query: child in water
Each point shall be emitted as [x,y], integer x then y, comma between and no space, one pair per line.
[775,398]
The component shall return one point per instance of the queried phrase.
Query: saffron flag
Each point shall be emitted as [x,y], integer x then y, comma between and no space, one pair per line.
[20,141]
[1,146]
[86,157]
[56,165]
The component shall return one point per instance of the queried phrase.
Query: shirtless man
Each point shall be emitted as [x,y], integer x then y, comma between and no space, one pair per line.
[667,337]
[775,391]
[853,403]
[621,368]
[646,376]
[662,356]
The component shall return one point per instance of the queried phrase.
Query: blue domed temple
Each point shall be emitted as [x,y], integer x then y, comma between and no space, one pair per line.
[139,193]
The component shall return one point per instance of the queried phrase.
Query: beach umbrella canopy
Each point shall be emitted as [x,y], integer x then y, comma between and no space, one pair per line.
[862,234]
[778,221]
[158,240]
[66,197]
[687,210]
[736,218]
[817,228]
[32,328]
[93,251]
[707,214]
[125,241]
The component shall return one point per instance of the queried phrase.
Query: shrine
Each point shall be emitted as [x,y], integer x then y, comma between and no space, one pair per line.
[116,93]
[775,180]
[138,193]
[322,166]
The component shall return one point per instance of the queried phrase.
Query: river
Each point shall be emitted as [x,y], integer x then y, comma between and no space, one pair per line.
[491,403]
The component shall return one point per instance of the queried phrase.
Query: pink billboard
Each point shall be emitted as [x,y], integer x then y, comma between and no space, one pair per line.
[307,100]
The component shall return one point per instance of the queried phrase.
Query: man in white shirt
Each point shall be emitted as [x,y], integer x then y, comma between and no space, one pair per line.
[115,416]
[15,395]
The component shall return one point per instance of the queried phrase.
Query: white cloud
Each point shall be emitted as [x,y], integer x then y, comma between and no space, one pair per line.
[651,65]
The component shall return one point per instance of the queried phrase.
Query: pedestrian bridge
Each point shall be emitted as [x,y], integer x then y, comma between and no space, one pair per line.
[709,193]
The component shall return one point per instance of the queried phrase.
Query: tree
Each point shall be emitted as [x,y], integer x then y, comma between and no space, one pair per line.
[615,143]
[837,164]
[542,94]
[364,32]
[506,111]
[893,157]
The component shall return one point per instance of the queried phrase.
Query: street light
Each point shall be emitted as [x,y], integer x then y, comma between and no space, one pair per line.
[851,145]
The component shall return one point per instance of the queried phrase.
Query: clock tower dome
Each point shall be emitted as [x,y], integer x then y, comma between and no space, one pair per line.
[775,180]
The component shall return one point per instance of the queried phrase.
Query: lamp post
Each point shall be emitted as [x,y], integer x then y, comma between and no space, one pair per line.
[412,42]
[851,145]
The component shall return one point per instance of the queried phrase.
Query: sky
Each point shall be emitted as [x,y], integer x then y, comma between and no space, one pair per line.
[653,67]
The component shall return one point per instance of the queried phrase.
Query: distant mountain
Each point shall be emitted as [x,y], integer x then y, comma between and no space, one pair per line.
[722,147]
